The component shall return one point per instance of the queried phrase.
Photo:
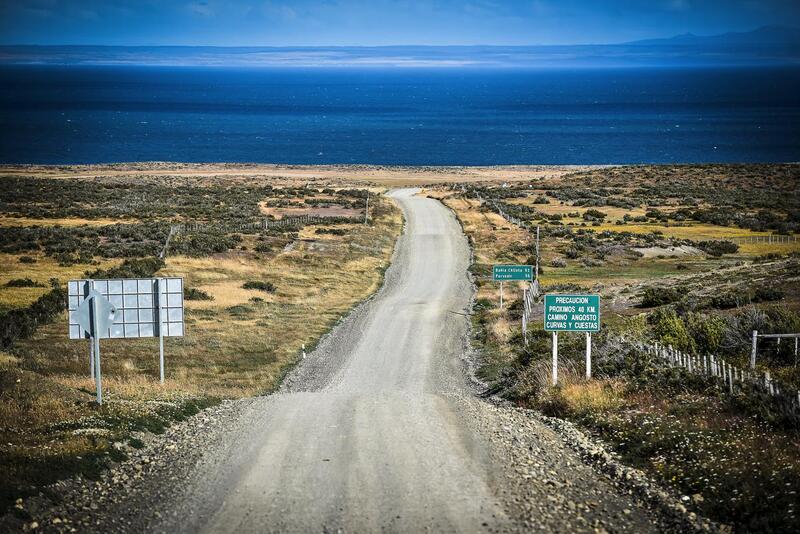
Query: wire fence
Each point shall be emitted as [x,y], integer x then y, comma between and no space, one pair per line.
[730,377]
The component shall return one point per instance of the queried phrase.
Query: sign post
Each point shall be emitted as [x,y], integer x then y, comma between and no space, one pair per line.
[94,316]
[572,313]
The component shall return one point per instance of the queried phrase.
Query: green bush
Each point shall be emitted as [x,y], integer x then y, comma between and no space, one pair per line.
[670,329]
[23,282]
[192,293]
[718,248]
[653,297]
[131,268]
[22,323]
[269,287]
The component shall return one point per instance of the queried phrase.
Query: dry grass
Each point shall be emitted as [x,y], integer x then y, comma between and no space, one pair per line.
[42,271]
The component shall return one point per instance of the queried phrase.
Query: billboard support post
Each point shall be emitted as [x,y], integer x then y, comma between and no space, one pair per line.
[96,339]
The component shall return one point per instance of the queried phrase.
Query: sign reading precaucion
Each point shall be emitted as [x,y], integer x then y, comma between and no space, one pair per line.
[572,313]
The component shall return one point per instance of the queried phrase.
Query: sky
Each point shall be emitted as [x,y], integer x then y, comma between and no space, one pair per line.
[378,22]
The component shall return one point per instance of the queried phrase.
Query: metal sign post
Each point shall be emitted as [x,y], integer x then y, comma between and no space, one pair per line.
[159,311]
[91,357]
[588,355]
[555,358]
[96,338]
[501,295]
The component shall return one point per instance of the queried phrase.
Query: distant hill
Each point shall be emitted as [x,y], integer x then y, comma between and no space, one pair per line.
[764,36]
[771,45]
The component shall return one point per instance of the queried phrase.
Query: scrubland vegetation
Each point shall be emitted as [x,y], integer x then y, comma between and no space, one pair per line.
[664,247]
[253,298]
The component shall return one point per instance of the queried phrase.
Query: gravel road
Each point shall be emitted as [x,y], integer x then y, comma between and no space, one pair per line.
[377,430]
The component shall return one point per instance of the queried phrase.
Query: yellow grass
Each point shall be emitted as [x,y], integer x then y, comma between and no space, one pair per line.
[42,271]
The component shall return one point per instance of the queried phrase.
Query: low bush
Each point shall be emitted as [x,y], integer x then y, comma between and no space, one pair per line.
[22,323]
[717,248]
[269,287]
[653,297]
[23,282]
[192,293]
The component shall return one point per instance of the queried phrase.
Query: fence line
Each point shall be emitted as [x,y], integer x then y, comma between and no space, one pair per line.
[730,377]
[262,224]
[773,239]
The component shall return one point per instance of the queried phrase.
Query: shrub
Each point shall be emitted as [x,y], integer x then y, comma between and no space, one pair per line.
[131,268]
[22,323]
[192,293]
[558,262]
[23,282]
[653,297]
[593,215]
[669,329]
[27,259]
[718,248]
[269,287]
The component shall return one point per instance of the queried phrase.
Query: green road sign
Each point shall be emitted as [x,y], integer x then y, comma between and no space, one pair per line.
[572,313]
[505,273]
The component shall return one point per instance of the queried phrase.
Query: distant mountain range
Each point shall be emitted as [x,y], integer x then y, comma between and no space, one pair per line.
[770,45]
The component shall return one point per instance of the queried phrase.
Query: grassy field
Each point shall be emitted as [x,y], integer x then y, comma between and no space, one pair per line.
[239,342]
[732,459]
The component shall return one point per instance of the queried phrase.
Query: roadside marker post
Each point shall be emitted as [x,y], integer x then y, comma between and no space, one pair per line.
[572,313]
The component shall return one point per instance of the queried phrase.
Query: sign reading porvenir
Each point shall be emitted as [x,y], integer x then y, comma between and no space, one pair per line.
[572,313]
[507,273]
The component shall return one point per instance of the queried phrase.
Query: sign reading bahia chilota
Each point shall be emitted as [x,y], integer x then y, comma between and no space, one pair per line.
[572,313]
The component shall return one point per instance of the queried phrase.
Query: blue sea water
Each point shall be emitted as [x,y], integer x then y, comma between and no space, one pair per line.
[63,115]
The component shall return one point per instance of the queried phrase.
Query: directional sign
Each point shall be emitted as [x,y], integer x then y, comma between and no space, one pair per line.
[505,273]
[572,313]
[105,313]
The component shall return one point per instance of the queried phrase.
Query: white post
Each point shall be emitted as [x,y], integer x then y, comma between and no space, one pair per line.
[501,295]
[96,338]
[588,355]
[555,358]
[536,274]
[159,295]
[304,351]
[753,350]
[730,379]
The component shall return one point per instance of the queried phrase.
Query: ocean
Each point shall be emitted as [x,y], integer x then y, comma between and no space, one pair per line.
[458,116]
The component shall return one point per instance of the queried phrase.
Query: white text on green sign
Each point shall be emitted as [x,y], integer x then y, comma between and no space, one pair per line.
[501,273]
[572,313]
